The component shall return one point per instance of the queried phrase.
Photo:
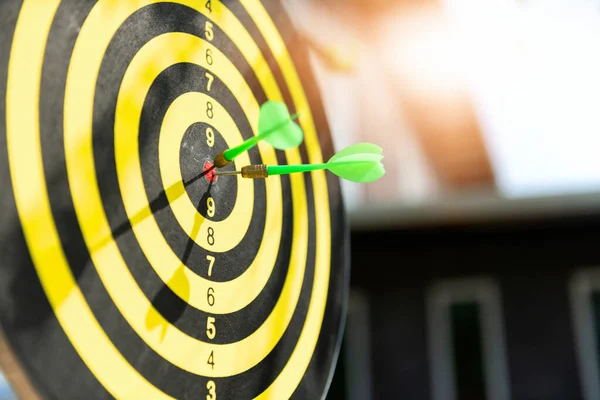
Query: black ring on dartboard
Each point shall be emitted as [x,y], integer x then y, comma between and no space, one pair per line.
[322,365]
[165,376]
[174,309]
[36,322]
[26,317]
[162,297]
[179,19]
[80,380]
[170,84]
[320,372]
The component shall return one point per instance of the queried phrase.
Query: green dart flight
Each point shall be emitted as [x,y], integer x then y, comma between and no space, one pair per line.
[275,126]
[359,162]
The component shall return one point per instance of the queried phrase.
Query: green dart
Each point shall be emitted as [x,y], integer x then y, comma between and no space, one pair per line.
[275,126]
[359,162]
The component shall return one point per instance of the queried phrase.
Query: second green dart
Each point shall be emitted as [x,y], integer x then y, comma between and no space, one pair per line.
[357,163]
[275,126]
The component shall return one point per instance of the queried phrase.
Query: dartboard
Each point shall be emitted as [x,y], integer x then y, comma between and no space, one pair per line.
[128,269]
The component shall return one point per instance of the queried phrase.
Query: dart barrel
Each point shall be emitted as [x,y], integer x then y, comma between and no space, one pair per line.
[220,160]
[128,270]
[255,171]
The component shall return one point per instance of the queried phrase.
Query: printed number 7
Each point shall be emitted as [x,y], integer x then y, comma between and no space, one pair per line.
[211,260]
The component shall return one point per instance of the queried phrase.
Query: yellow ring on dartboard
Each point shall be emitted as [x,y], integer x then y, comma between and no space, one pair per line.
[176,48]
[181,47]
[228,232]
[284,386]
[141,73]
[169,142]
[72,311]
[174,346]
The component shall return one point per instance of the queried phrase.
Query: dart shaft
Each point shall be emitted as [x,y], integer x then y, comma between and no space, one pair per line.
[228,173]
[237,150]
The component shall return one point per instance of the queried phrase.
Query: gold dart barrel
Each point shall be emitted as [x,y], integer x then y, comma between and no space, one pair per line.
[220,160]
[255,171]
[258,171]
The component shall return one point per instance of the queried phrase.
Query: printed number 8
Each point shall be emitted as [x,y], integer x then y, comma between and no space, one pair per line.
[209,110]
[211,236]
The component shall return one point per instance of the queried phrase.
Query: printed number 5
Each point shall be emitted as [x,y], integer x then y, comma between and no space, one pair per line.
[211,329]
[208,29]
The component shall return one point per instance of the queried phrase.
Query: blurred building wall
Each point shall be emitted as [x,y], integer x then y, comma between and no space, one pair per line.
[536,333]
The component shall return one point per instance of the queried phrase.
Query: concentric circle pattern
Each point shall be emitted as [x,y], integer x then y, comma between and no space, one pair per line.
[126,271]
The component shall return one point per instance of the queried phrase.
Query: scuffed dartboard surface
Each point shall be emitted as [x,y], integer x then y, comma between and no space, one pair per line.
[126,271]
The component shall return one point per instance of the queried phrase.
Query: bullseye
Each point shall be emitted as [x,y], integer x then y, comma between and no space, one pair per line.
[209,172]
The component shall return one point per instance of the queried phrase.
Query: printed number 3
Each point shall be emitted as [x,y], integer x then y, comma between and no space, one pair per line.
[212,390]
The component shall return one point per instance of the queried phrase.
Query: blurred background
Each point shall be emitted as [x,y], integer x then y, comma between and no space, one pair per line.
[5,392]
[476,259]
[489,98]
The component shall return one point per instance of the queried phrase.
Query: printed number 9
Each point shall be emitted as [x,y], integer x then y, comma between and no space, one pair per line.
[210,137]
[210,207]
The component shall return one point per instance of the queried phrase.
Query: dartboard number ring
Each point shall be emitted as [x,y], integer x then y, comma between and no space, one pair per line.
[144,268]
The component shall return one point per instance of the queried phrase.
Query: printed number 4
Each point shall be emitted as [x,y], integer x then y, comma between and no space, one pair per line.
[211,360]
